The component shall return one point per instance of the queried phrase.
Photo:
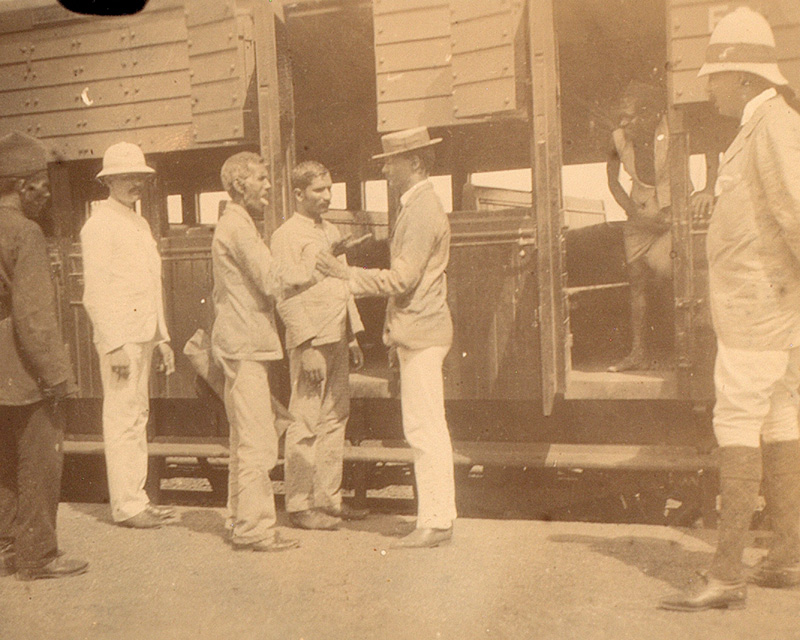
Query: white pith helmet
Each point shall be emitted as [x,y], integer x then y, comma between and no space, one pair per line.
[123,157]
[743,41]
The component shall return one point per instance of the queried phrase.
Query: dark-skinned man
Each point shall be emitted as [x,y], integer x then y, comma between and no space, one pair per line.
[34,374]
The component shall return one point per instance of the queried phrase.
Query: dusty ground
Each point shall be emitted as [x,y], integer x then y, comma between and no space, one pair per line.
[499,579]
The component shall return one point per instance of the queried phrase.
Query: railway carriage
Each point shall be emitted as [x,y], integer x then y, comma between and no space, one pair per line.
[537,278]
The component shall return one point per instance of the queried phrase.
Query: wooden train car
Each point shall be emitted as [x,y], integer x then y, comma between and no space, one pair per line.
[538,293]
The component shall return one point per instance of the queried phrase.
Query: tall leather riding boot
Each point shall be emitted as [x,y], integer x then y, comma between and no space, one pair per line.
[781,567]
[740,480]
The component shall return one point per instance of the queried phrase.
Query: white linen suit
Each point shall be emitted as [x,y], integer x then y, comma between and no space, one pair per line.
[320,314]
[124,300]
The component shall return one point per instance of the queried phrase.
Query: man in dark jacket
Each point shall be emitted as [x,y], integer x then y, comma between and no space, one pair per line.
[34,375]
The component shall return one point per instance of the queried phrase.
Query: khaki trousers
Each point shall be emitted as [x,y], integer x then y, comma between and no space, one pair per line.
[425,429]
[315,440]
[254,450]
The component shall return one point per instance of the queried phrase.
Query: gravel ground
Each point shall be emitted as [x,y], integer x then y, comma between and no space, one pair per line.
[498,579]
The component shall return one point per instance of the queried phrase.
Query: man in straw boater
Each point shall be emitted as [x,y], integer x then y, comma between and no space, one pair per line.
[34,373]
[418,327]
[753,249]
[123,298]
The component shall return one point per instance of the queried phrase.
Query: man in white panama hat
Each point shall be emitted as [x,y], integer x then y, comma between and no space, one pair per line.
[753,249]
[123,297]
[418,327]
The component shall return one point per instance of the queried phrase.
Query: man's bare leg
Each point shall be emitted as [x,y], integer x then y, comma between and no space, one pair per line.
[637,358]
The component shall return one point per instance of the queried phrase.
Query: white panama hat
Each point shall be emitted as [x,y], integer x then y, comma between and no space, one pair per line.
[743,41]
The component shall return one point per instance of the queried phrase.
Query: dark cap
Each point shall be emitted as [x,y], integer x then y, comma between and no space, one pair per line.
[21,155]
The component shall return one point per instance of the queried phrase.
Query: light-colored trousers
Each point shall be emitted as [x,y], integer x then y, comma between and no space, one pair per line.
[126,410]
[757,396]
[254,450]
[425,429]
[315,440]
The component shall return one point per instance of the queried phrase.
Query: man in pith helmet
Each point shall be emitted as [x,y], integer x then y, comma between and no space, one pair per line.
[124,300]
[753,249]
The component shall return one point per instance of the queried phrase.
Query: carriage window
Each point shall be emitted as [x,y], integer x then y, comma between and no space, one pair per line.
[443,186]
[210,206]
[338,196]
[175,209]
[376,195]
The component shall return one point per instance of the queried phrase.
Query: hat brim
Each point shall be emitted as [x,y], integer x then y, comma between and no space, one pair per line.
[401,151]
[144,169]
[767,70]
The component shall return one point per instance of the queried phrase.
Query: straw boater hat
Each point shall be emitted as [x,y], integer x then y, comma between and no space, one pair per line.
[743,41]
[123,158]
[403,141]
[21,156]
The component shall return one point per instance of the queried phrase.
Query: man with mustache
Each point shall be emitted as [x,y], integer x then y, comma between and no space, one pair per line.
[318,321]
[123,297]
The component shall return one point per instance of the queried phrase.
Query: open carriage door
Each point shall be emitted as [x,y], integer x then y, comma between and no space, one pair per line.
[546,167]
[689,26]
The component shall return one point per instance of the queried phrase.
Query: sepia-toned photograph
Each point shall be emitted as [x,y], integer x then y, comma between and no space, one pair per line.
[399,319]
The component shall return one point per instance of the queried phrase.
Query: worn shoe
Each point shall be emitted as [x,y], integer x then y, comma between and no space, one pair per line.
[313,519]
[59,567]
[424,538]
[716,594]
[8,560]
[769,574]
[162,512]
[276,543]
[346,512]
[142,520]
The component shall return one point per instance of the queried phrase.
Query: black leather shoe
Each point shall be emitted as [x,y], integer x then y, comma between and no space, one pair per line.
[346,512]
[424,538]
[60,567]
[276,543]
[142,520]
[715,594]
[313,519]
[165,513]
[8,560]
[776,576]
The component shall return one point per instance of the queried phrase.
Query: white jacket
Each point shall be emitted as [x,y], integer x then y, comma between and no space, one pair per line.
[122,278]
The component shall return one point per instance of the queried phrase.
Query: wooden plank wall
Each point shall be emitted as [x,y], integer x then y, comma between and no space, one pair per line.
[86,83]
[690,23]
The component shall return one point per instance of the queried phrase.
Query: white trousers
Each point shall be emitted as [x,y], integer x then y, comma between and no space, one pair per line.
[254,450]
[757,396]
[425,429]
[315,440]
[126,410]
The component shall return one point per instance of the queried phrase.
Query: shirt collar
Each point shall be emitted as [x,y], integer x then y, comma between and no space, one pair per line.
[118,207]
[404,198]
[301,219]
[755,103]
